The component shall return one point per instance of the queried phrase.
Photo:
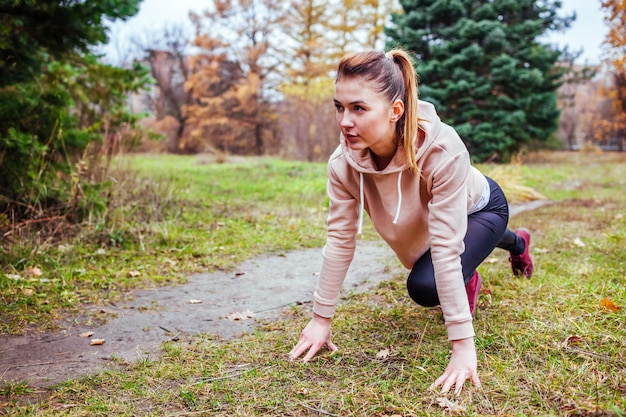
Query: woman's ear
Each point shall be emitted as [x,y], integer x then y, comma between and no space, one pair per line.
[397,110]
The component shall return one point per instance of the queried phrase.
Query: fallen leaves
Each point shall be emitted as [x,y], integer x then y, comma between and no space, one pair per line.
[240,315]
[571,340]
[34,271]
[609,305]
[384,353]
[14,277]
[449,405]
[169,262]
[92,342]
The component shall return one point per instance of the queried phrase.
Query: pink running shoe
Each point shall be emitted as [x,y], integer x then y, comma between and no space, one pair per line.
[473,288]
[521,264]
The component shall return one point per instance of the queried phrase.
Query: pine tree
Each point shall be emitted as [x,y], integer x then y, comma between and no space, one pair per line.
[56,98]
[481,63]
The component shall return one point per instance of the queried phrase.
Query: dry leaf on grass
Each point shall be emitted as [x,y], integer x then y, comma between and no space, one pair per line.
[303,391]
[609,305]
[96,342]
[169,262]
[571,340]
[578,242]
[384,354]
[240,315]
[450,406]
[13,277]
[86,334]
[134,273]
[34,272]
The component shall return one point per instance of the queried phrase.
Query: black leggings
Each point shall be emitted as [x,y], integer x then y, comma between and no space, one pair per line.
[486,230]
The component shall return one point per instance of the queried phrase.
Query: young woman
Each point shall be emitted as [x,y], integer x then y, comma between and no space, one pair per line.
[412,174]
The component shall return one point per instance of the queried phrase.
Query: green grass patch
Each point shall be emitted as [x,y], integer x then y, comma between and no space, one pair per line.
[166,217]
[551,345]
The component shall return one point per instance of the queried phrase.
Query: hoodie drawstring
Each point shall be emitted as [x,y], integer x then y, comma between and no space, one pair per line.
[395,219]
[361,208]
[362,204]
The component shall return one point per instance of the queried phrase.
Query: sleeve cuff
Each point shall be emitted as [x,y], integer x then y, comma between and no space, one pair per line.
[323,310]
[463,330]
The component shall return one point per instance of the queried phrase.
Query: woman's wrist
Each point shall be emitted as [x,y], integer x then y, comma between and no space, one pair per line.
[463,343]
[320,319]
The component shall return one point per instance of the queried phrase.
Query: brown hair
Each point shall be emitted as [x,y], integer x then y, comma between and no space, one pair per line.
[394,76]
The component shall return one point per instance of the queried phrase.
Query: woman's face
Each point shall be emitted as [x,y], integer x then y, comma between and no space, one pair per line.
[366,117]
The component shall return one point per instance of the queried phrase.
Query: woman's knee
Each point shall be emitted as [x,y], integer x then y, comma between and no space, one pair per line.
[423,292]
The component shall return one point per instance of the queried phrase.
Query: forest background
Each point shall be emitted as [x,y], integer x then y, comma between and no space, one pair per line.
[255,77]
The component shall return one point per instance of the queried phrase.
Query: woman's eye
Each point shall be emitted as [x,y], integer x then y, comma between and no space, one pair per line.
[339,107]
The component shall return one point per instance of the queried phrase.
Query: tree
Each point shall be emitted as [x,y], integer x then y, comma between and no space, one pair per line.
[55,97]
[305,26]
[481,64]
[376,13]
[167,53]
[616,42]
[356,24]
[244,32]
[577,99]
[306,112]
[219,117]
[32,31]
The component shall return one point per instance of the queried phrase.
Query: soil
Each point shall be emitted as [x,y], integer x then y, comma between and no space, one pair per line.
[209,303]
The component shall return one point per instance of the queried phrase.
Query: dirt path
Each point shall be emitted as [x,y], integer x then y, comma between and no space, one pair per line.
[265,286]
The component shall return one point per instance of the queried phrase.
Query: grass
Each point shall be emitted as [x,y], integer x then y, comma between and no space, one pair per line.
[551,345]
[167,217]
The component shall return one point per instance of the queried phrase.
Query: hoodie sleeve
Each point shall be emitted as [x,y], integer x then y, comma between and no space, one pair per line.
[447,228]
[340,245]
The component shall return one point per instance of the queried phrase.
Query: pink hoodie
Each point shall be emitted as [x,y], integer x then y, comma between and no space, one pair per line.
[411,212]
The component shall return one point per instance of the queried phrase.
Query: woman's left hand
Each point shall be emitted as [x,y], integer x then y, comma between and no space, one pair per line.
[462,366]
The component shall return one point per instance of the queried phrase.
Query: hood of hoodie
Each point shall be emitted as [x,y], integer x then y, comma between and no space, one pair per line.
[363,162]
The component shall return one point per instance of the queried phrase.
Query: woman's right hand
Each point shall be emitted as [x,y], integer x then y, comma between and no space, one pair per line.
[315,335]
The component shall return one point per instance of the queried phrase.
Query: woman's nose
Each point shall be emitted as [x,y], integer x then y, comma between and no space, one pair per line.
[345,120]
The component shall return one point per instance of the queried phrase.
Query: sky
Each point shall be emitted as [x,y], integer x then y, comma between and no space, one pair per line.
[586,33]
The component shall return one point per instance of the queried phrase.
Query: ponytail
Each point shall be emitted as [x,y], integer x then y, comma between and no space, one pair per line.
[408,125]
